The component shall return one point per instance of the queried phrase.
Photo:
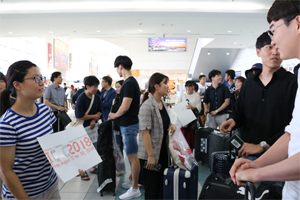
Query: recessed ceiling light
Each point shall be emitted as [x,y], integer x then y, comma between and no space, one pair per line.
[227,54]
[208,53]
[140,30]
[229,31]
[98,31]
[50,31]
[188,31]
[201,73]
[235,43]
[10,33]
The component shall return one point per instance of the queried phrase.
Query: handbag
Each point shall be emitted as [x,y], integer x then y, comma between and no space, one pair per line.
[64,118]
[180,151]
[77,122]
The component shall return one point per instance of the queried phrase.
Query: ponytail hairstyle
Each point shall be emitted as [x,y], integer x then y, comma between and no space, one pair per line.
[16,72]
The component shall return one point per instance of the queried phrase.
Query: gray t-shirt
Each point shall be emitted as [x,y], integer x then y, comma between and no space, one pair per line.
[55,95]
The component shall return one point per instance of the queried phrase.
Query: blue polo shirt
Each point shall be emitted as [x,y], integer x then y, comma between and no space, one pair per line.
[215,97]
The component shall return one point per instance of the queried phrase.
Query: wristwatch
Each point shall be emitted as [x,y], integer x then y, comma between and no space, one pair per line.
[264,145]
[216,111]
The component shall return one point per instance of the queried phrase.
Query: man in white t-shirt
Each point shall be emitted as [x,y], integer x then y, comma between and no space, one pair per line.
[282,161]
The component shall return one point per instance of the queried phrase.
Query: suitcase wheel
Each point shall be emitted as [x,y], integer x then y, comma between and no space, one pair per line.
[114,194]
[101,194]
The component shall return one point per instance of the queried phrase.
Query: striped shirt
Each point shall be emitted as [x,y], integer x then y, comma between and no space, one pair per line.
[31,165]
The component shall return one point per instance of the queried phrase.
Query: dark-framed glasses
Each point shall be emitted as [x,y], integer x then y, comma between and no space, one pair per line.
[272,30]
[37,79]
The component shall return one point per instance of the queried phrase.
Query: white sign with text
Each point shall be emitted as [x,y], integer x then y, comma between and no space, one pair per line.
[68,151]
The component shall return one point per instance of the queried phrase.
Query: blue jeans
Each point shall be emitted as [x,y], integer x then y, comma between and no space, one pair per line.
[130,138]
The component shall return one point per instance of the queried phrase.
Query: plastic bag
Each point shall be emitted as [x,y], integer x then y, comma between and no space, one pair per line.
[180,151]
[119,160]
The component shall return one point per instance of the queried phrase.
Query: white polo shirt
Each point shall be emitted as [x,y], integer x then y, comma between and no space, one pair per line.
[291,189]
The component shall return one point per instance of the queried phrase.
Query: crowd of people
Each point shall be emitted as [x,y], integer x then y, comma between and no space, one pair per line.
[265,108]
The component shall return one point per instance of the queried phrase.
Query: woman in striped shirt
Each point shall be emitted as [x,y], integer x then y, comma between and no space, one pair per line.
[24,168]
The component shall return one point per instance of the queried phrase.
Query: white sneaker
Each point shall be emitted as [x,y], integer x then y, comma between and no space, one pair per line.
[127,185]
[130,194]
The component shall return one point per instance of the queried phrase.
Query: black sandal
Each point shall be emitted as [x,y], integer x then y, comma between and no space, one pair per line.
[85,176]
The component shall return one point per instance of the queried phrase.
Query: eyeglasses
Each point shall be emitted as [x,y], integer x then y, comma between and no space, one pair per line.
[272,30]
[37,79]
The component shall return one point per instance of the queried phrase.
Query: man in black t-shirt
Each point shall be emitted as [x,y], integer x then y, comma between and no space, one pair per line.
[265,104]
[129,122]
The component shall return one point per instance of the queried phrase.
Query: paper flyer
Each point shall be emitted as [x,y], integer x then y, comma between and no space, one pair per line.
[68,151]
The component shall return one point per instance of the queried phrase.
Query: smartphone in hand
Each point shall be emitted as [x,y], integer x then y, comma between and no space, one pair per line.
[156,168]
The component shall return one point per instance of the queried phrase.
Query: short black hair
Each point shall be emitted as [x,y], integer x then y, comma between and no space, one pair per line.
[90,81]
[263,40]
[156,78]
[55,75]
[196,87]
[283,9]
[125,61]
[231,73]
[201,76]
[107,79]
[65,84]
[190,83]
[213,73]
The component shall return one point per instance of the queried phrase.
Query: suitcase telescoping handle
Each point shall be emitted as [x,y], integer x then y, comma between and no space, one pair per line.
[230,149]
[250,187]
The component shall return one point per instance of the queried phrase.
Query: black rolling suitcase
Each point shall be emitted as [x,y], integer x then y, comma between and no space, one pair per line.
[217,142]
[107,168]
[202,144]
[221,162]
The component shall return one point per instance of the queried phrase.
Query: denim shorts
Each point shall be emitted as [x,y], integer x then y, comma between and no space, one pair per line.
[130,138]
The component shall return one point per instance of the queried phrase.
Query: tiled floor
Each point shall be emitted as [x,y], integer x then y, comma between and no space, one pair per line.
[76,189]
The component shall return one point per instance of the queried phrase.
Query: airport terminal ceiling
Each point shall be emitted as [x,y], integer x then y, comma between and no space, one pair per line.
[233,24]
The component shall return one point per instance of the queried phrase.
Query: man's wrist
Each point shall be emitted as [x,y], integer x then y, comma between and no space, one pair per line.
[216,111]
[264,145]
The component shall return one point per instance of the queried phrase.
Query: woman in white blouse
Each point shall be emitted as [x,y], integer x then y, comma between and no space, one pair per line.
[194,102]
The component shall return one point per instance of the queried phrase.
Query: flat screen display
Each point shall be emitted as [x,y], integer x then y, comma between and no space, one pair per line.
[167,44]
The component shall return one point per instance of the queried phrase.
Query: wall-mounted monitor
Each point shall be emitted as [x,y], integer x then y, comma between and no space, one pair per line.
[61,55]
[167,44]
